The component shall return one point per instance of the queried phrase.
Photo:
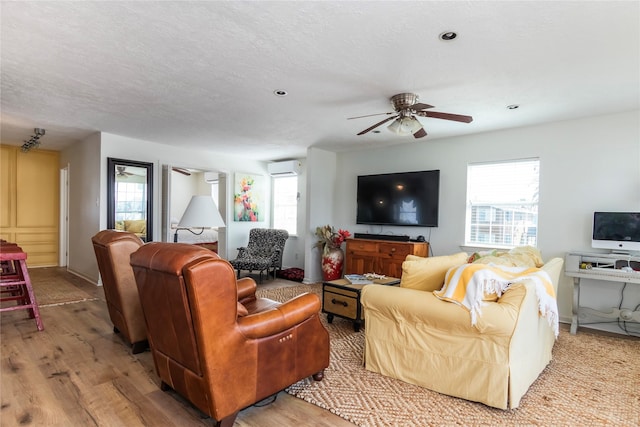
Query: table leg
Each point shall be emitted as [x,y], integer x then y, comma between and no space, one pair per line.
[356,325]
[575,307]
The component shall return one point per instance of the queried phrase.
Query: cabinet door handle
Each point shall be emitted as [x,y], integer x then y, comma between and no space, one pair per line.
[335,301]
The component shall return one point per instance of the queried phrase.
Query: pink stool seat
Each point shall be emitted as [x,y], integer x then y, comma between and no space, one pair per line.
[6,267]
[16,282]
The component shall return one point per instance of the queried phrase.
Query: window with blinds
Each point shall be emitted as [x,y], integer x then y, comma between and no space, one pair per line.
[285,203]
[502,203]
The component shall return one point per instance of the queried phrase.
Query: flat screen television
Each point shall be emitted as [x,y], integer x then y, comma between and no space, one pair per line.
[618,231]
[404,198]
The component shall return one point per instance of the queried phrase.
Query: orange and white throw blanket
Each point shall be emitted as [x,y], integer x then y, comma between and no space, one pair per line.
[467,284]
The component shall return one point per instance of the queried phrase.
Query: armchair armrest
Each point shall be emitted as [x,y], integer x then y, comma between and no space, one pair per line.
[246,288]
[241,251]
[415,307]
[274,321]
[275,255]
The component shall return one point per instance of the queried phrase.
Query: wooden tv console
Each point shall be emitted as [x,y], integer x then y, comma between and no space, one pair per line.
[380,256]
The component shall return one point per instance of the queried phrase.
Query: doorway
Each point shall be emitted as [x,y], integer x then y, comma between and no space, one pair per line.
[63,244]
[179,184]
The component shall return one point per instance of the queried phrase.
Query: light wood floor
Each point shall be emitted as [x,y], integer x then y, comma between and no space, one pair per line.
[77,372]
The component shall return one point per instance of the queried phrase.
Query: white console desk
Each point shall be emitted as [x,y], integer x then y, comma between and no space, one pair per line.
[605,267]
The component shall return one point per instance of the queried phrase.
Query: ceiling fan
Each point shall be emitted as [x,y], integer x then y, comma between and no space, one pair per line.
[407,109]
[181,170]
[122,172]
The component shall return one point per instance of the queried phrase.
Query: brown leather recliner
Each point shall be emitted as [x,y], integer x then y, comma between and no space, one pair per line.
[206,348]
[113,251]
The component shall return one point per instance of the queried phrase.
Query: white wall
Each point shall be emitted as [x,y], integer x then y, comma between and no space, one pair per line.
[86,207]
[182,188]
[585,165]
[323,190]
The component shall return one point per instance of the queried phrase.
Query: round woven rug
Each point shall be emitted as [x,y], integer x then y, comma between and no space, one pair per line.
[593,380]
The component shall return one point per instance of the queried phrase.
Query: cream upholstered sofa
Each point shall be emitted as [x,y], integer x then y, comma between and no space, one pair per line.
[414,336]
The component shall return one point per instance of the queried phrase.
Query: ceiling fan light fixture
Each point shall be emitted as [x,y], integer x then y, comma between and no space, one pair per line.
[394,126]
[407,109]
[410,124]
[404,126]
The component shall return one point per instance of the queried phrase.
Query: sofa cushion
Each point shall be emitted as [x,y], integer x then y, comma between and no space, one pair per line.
[427,274]
[135,225]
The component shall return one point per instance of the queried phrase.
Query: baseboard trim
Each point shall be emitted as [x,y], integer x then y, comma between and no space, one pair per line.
[82,276]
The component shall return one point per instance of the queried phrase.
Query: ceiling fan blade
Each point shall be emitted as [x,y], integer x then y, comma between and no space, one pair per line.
[368,115]
[445,116]
[420,133]
[419,106]
[182,171]
[377,124]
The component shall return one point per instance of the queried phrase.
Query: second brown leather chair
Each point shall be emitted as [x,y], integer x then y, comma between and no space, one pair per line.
[113,250]
[221,355]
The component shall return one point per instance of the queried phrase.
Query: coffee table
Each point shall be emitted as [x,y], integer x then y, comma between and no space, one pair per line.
[341,298]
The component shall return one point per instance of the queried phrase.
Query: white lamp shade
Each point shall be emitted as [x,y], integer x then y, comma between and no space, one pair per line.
[394,126]
[404,126]
[201,213]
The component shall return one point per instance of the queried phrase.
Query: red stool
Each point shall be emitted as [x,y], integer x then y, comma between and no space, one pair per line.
[6,267]
[18,283]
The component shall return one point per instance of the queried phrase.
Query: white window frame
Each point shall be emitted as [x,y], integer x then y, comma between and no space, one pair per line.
[284,210]
[502,203]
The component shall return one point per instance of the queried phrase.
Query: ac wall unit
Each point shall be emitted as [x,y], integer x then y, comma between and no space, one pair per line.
[210,177]
[286,168]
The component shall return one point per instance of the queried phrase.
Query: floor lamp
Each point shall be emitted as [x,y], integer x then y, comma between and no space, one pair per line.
[200,213]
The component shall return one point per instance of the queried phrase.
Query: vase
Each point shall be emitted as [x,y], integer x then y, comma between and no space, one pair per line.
[332,262]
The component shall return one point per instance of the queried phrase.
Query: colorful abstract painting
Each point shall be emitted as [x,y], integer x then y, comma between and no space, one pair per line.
[247,197]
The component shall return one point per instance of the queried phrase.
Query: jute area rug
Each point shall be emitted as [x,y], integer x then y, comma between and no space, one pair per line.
[53,286]
[593,380]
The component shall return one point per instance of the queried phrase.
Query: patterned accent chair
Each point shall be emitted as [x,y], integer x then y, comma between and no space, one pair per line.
[213,341]
[263,252]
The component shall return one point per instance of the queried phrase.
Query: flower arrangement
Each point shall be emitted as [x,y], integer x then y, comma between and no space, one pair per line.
[329,238]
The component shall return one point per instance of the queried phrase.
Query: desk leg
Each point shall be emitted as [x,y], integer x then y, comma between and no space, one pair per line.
[575,308]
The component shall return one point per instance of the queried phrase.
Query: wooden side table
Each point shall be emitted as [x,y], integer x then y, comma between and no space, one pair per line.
[341,298]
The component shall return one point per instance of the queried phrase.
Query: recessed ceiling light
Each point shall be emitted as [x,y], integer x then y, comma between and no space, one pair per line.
[375,131]
[513,106]
[280,92]
[448,35]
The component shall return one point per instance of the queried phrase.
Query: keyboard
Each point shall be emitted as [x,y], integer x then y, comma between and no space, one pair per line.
[607,274]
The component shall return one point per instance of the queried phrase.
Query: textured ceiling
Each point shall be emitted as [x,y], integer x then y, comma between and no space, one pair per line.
[202,74]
